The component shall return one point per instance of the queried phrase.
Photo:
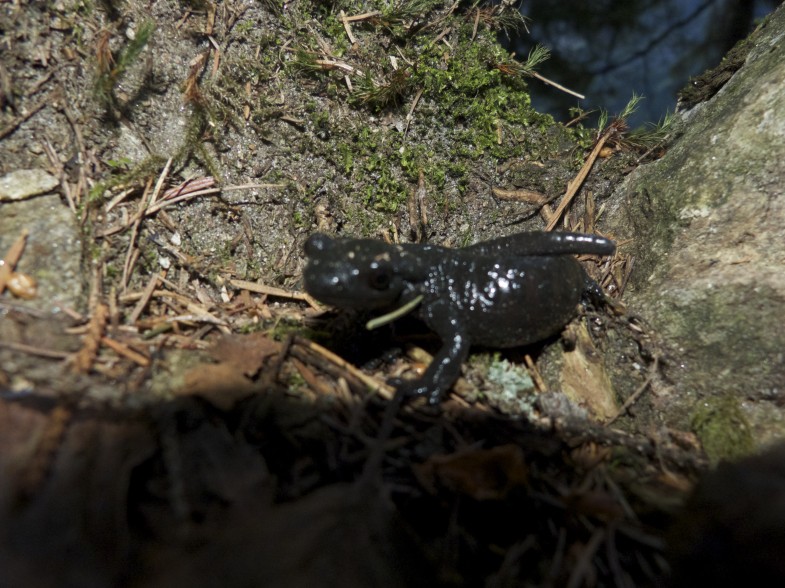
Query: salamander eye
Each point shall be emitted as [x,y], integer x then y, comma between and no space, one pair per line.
[379,276]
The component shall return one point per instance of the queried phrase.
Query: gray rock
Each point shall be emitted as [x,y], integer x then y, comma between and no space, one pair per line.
[53,253]
[707,223]
[24,183]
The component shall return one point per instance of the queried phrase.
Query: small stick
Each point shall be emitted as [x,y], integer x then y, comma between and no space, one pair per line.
[12,256]
[557,86]
[118,199]
[130,258]
[86,356]
[159,184]
[363,16]
[310,378]
[409,116]
[20,119]
[377,322]
[146,295]
[637,394]
[39,351]
[535,374]
[347,27]
[384,390]
[574,186]
[189,186]
[332,64]
[161,204]
[126,351]
[166,201]
[273,291]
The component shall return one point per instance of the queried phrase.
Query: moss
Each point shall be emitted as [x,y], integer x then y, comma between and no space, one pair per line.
[722,428]
[706,317]
[442,108]
[468,108]
[706,85]
[112,66]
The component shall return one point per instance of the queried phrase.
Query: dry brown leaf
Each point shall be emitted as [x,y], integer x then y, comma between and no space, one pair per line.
[246,353]
[484,474]
[241,359]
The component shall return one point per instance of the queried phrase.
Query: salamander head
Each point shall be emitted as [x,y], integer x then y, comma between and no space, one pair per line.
[354,273]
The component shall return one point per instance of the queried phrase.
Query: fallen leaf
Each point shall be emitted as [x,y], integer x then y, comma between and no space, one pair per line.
[484,474]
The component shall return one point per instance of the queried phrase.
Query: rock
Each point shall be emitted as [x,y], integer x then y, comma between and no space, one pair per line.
[706,223]
[24,183]
[53,254]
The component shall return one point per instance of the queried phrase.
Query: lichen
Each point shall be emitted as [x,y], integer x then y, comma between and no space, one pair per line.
[510,387]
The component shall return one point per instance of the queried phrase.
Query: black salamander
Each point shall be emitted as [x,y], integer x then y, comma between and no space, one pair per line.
[501,293]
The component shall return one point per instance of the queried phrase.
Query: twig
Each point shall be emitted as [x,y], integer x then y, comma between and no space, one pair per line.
[189,186]
[637,394]
[129,257]
[58,168]
[332,64]
[575,185]
[337,372]
[409,117]
[659,144]
[629,264]
[384,390]
[146,295]
[310,378]
[20,119]
[159,184]
[363,16]
[12,257]
[126,351]
[39,351]
[133,296]
[118,199]
[539,383]
[251,187]
[273,291]
[160,206]
[198,312]
[205,317]
[43,80]
[581,570]
[85,357]
[347,27]
[72,121]
[545,80]
[165,202]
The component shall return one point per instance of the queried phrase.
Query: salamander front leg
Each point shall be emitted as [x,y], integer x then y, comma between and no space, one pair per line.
[445,368]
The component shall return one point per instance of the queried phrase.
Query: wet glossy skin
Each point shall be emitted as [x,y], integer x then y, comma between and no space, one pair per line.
[502,293]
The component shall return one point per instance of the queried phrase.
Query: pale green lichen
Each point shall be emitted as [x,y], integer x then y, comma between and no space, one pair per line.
[510,387]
